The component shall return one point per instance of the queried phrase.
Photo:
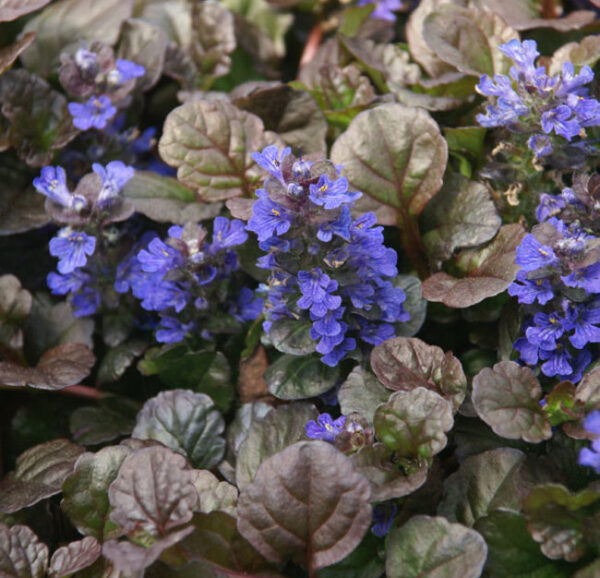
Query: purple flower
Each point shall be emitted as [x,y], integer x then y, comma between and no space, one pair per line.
[114,177]
[125,71]
[591,457]
[560,121]
[557,362]
[86,302]
[171,330]
[529,291]
[532,255]
[546,330]
[227,234]
[270,160]
[317,288]
[268,218]
[52,183]
[384,9]
[160,257]
[339,352]
[582,320]
[340,227]
[332,194]
[72,249]
[383,518]
[95,113]
[325,428]
[586,278]
[375,333]
[247,307]
[70,283]
[523,55]
[540,145]
[549,206]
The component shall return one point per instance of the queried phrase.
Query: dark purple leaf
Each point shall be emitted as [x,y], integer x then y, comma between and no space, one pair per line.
[74,557]
[22,555]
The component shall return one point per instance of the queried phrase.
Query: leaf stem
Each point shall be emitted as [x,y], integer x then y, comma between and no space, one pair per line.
[84,391]
[412,244]
[312,44]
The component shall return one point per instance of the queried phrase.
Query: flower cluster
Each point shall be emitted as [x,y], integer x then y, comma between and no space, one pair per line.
[182,277]
[95,74]
[559,284]
[96,201]
[591,457]
[327,270]
[532,103]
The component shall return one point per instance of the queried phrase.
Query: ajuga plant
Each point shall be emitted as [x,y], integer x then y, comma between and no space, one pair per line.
[299,289]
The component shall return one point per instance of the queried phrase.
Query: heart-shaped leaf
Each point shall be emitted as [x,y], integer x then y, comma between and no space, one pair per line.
[74,557]
[463,215]
[483,483]
[468,39]
[277,430]
[404,363]
[388,481]
[507,398]
[38,117]
[186,422]
[153,492]
[487,271]
[556,519]
[39,473]
[300,377]
[292,336]
[362,393]
[394,154]
[211,144]
[59,367]
[85,492]
[68,22]
[432,547]
[165,200]
[512,552]
[22,555]
[413,423]
[307,503]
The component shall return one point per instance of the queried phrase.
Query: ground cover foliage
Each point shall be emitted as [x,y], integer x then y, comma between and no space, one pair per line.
[299,288]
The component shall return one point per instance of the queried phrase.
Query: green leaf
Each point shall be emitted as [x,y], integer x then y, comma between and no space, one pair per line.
[300,377]
[22,555]
[58,367]
[414,305]
[13,9]
[388,480]
[292,114]
[74,557]
[362,393]
[165,200]
[15,305]
[214,495]
[365,561]
[85,492]
[292,336]
[468,39]
[66,23]
[211,144]
[394,154]
[203,371]
[144,44]
[341,93]
[39,473]
[278,429]
[462,215]
[50,324]
[488,481]
[556,517]
[118,359]
[403,364]
[113,416]
[153,492]
[487,272]
[507,398]
[413,423]
[307,503]
[512,553]
[466,140]
[38,117]
[186,422]
[428,547]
